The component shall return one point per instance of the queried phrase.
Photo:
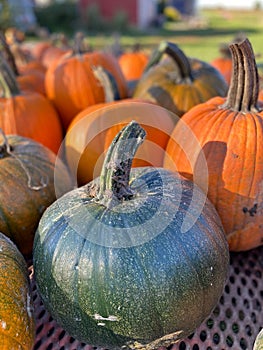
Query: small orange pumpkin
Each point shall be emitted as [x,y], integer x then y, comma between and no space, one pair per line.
[72,83]
[133,63]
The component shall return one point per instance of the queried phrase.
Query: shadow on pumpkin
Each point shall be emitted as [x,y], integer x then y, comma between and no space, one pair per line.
[241,215]
[163,98]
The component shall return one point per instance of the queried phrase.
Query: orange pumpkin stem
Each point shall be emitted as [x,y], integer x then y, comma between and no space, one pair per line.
[173,51]
[244,86]
[8,81]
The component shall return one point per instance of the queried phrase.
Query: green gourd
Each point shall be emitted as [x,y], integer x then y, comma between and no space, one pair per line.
[135,259]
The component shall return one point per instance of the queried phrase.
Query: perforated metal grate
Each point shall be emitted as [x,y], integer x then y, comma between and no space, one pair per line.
[234,323]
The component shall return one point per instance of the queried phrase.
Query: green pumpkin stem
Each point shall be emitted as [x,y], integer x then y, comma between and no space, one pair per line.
[5,148]
[8,81]
[244,87]
[115,174]
[173,51]
[8,53]
[79,45]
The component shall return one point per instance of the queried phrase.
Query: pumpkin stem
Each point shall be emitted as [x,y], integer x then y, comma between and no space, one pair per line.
[244,86]
[173,51]
[79,45]
[8,81]
[115,174]
[8,53]
[5,148]
[108,83]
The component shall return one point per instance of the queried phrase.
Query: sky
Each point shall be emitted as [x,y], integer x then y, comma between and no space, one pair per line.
[229,3]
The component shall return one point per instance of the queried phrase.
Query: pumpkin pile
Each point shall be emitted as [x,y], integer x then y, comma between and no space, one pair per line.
[126,188]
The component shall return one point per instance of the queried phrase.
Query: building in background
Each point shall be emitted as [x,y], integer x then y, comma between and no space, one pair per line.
[139,12]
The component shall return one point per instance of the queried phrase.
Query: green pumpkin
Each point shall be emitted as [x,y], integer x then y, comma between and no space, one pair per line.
[136,259]
[32,177]
[258,345]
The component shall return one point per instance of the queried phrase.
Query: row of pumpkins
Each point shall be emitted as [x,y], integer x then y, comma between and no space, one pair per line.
[128,192]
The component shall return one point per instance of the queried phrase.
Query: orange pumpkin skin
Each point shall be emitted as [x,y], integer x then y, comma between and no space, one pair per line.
[32,115]
[132,64]
[38,48]
[231,139]
[52,54]
[72,85]
[27,113]
[91,132]
[32,81]
[224,65]
[17,324]
[110,64]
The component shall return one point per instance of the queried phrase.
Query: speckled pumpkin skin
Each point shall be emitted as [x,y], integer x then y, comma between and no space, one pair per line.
[28,188]
[17,324]
[129,276]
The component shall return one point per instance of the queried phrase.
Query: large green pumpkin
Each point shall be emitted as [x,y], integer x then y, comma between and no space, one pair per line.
[135,259]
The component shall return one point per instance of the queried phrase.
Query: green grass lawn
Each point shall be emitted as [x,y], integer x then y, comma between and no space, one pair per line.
[199,38]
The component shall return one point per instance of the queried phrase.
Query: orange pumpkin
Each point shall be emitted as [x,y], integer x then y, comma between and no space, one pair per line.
[38,48]
[91,132]
[229,132]
[59,47]
[133,63]
[27,113]
[34,81]
[73,82]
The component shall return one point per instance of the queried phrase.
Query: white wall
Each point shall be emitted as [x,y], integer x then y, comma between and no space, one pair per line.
[146,12]
[245,4]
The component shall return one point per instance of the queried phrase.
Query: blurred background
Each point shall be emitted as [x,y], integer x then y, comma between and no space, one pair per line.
[195,25]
